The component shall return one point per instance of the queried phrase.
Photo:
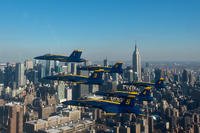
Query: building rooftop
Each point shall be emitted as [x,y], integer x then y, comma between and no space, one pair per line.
[53,117]
[65,128]
[36,121]
[53,131]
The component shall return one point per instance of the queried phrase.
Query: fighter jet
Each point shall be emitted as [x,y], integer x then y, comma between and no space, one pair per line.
[158,84]
[126,106]
[74,57]
[117,68]
[145,95]
[95,78]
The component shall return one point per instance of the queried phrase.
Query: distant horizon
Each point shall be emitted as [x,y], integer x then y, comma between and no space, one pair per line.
[113,61]
[163,30]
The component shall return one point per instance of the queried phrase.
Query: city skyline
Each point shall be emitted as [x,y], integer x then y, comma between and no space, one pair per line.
[164,30]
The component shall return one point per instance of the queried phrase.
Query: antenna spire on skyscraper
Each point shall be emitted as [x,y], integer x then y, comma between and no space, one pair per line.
[135,44]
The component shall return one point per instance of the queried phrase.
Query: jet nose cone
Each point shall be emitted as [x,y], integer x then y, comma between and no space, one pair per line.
[45,78]
[50,78]
[38,57]
[83,60]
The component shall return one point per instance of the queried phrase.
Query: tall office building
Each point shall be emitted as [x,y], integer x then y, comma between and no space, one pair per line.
[61,91]
[19,74]
[1,76]
[80,90]
[9,76]
[69,93]
[115,77]
[41,71]
[136,128]
[48,68]
[105,62]
[32,75]
[57,67]
[16,119]
[130,75]
[68,67]
[73,68]
[12,118]
[158,74]
[185,76]
[28,64]
[150,124]
[136,65]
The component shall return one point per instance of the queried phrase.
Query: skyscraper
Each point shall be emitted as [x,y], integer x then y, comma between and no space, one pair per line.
[41,71]
[12,117]
[105,62]
[19,74]
[73,68]
[185,76]
[158,74]
[28,64]
[61,91]
[136,65]
[9,76]
[48,68]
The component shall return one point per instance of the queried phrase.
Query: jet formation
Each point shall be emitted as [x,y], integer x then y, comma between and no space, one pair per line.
[128,102]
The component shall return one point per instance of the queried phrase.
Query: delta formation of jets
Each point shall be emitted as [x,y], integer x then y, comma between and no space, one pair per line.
[129,101]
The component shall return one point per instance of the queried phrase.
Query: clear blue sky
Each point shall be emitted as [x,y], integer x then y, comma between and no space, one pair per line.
[164,29]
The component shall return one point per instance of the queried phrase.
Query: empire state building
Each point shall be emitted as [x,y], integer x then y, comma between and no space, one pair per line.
[136,65]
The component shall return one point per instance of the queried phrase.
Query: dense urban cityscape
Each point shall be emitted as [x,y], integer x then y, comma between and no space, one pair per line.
[99,66]
[31,105]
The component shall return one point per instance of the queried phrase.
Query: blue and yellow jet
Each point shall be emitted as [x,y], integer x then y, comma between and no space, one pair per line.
[116,68]
[95,78]
[126,106]
[74,57]
[145,95]
[158,84]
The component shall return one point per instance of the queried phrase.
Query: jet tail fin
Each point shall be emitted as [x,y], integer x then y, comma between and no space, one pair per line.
[160,83]
[76,54]
[146,91]
[117,67]
[145,95]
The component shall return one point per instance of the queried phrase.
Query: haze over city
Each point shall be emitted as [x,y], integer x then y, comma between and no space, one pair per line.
[99,66]
[164,30]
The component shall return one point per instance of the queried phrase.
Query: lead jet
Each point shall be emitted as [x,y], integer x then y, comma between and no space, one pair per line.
[95,78]
[126,106]
[117,68]
[74,57]
[158,84]
[145,95]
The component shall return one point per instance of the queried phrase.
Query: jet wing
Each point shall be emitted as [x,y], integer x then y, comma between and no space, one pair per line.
[70,78]
[139,84]
[90,68]
[119,94]
[107,106]
[56,77]
[86,103]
